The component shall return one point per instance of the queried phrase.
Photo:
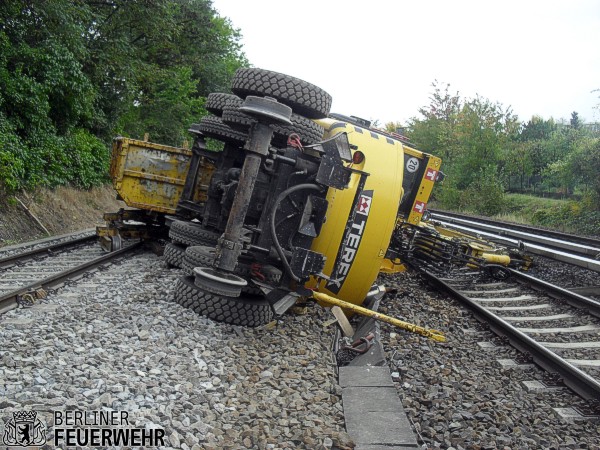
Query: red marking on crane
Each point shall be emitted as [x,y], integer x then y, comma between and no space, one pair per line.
[431,174]
[419,207]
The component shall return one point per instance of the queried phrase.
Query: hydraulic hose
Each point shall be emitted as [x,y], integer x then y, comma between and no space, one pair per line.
[278,200]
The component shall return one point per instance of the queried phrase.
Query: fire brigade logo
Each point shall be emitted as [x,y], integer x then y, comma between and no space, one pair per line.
[364,205]
[24,430]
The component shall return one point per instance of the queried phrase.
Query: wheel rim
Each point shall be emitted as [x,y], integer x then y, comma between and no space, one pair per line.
[222,283]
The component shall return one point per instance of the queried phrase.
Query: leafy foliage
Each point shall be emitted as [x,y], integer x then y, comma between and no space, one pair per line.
[470,135]
[486,149]
[582,167]
[569,217]
[565,215]
[75,73]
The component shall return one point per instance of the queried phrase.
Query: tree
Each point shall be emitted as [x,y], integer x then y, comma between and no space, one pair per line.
[574,122]
[582,166]
[46,97]
[435,130]
[520,163]
[145,48]
[484,130]
[532,141]
[472,137]
[537,129]
[75,73]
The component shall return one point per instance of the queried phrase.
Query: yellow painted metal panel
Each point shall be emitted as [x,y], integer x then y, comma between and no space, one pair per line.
[426,184]
[368,240]
[150,176]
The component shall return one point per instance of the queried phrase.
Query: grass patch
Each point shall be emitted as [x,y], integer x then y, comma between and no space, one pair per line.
[563,215]
[521,203]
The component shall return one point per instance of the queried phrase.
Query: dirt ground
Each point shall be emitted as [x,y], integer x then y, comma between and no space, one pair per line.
[27,215]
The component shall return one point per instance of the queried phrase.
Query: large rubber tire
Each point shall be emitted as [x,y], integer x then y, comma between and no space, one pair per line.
[244,311]
[213,127]
[236,119]
[310,132]
[173,255]
[191,233]
[216,101]
[304,98]
[196,256]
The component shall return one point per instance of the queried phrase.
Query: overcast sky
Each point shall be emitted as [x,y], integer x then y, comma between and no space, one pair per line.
[378,58]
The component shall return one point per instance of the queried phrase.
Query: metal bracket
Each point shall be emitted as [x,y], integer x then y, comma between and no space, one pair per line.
[313,216]
[306,262]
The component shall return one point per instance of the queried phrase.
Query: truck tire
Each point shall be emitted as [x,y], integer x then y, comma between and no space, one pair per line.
[304,98]
[243,310]
[196,256]
[173,255]
[216,101]
[309,131]
[236,119]
[191,233]
[213,127]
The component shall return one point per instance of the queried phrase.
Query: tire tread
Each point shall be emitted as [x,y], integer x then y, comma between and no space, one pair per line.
[189,233]
[232,310]
[304,98]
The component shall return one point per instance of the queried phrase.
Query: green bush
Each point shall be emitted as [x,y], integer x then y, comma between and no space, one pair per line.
[11,150]
[78,158]
[569,217]
[90,159]
[589,223]
[46,163]
[449,197]
[484,195]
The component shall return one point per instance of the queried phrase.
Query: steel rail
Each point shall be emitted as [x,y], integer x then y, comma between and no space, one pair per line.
[529,238]
[579,301]
[556,254]
[581,240]
[578,381]
[8,260]
[9,300]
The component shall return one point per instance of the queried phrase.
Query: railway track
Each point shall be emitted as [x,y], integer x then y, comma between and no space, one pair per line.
[111,316]
[122,343]
[18,258]
[26,276]
[556,329]
[576,250]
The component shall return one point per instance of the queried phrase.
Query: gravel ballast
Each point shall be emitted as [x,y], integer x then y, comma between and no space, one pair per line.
[457,395]
[562,274]
[116,340]
[11,250]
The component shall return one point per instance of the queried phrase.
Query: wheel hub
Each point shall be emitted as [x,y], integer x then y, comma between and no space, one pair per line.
[218,282]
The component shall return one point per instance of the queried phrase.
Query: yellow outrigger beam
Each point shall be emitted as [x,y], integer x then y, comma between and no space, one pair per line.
[433,334]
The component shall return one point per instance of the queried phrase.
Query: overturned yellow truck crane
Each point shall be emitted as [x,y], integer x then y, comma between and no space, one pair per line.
[300,203]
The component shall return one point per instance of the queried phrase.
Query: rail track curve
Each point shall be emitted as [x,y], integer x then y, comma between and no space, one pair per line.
[525,310]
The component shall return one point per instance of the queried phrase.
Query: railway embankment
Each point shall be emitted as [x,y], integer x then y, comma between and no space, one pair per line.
[34,215]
